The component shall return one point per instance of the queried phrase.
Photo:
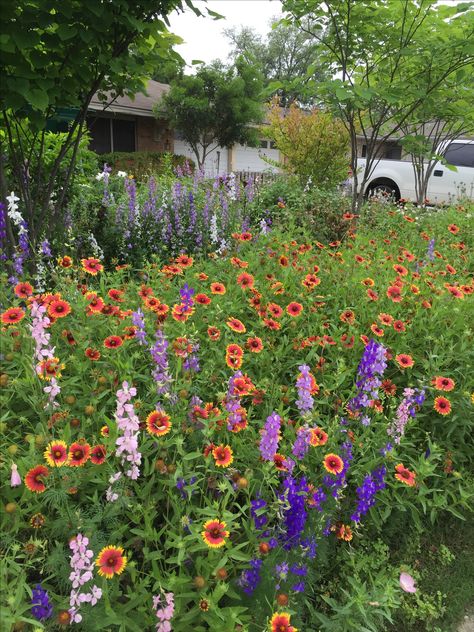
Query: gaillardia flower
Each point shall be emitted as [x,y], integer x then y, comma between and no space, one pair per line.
[236,325]
[12,316]
[214,534]
[404,361]
[98,454]
[404,475]
[294,309]
[280,622]
[112,342]
[111,561]
[158,423]
[59,309]
[333,463]
[318,437]
[79,453]
[23,290]
[56,453]
[92,266]
[223,455]
[442,405]
[34,479]
[443,383]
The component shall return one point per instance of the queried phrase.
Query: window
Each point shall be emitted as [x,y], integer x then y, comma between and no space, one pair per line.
[273,144]
[111,134]
[460,155]
[123,135]
[364,151]
[392,151]
[100,133]
[264,144]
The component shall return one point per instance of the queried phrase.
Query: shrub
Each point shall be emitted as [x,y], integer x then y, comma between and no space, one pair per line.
[142,164]
[50,223]
[315,144]
[318,211]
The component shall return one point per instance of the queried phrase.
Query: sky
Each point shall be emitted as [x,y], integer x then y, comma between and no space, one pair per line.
[203,36]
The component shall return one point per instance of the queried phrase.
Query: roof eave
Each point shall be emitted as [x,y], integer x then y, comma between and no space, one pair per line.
[121,109]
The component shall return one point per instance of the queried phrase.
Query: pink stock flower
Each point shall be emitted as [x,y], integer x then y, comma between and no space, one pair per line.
[165,613]
[407,583]
[15,478]
[82,564]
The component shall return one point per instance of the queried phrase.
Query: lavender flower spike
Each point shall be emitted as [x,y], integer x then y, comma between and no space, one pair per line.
[270,437]
[304,402]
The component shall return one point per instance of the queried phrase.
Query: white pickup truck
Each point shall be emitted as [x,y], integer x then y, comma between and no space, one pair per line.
[397,179]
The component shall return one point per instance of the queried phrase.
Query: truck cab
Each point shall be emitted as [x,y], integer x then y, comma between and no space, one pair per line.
[397,178]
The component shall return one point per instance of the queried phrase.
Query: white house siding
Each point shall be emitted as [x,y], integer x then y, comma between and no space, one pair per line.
[248,158]
[215,163]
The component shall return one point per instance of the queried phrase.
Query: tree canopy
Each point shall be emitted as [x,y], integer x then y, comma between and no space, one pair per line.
[215,107]
[284,59]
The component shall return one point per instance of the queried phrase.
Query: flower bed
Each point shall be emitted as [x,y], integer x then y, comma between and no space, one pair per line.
[204,447]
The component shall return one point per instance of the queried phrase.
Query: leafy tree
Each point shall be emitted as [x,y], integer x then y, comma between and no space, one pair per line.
[215,107]
[386,57]
[314,143]
[54,58]
[284,58]
[169,69]
[446,115]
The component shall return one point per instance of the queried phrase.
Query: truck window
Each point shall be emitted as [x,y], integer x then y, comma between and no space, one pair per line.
[460,155]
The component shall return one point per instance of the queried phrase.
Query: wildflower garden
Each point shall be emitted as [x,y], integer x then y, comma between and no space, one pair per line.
[248,428]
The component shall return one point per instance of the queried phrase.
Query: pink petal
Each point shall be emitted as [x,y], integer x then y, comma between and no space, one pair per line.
[407,583]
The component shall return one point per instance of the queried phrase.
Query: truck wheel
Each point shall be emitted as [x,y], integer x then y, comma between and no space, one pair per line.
[384,190]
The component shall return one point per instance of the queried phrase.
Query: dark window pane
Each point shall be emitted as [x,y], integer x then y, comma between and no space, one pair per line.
[364,151]
[263,144]
[124,135]
[273,144]
[393,152]
[460,155]
[99,130]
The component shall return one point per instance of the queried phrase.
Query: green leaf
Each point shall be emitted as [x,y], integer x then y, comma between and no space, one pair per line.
[66,31]
[38,99]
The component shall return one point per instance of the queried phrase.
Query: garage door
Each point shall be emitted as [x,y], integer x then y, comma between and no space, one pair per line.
[249,158]
[216,161]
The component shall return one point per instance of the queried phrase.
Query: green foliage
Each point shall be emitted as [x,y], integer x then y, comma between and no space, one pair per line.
[143,164]
[315,144]
[319,212]
[351,586]
[41,71]
[215,107]
[285,58]
[55,58]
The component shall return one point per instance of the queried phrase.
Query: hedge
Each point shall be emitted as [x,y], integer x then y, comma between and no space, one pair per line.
[142,163]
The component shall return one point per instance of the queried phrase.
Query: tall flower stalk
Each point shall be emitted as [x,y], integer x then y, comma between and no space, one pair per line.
[82,573]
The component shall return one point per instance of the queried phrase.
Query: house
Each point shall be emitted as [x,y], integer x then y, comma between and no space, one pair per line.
[126,124]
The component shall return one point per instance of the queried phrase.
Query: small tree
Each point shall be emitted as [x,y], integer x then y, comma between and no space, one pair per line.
[386,58]
[215,107]
[314,143]
[446,115]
